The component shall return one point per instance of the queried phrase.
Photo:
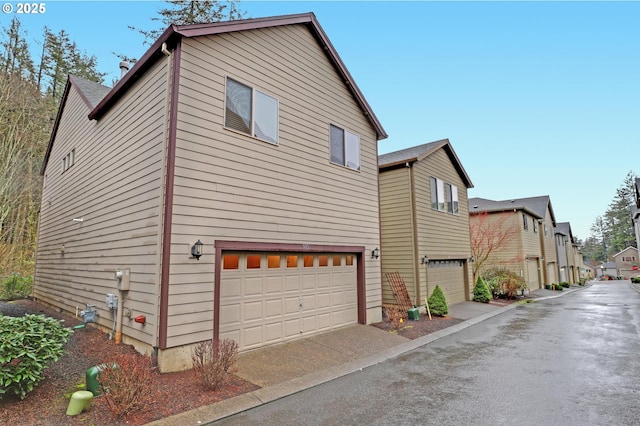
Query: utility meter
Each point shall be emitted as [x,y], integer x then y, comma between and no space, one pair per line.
[111,300]
[122,276]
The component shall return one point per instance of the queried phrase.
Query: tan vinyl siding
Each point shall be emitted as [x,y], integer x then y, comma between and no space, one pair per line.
[397,253]
[441,235]
[115,187]
[230,186]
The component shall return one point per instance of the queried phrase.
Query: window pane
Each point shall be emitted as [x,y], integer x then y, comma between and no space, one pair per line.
[292,261]
[230,261]
[440,186]
[449,199]
[266,117]
[308,261]
[337,260]
[349,260]
[454,200]
[238,107]
[336,139]
[323,260]
[352,142]
[434,194]
[253,261]
[273,261]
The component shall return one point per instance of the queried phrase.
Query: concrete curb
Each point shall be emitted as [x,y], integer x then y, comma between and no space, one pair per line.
[229,407]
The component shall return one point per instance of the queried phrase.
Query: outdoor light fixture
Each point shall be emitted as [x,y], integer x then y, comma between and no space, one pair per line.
[424,260]
[375,253]
[472,259]
[196,249]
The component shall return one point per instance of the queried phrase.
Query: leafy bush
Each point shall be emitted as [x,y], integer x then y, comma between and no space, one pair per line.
[504,282]
[16,286]
[481,292]
[635,280]
[213,361]
[28,344]
[564,284]
[438,303]
[125,383]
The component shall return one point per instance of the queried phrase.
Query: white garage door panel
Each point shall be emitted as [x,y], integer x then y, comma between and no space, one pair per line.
[271,305]
[449,275]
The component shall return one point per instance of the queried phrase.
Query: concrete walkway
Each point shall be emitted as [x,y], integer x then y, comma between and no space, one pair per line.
[282,370]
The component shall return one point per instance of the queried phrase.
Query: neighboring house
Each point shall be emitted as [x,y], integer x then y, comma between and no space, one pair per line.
[518,227]
[232,176]
[627,263]
[566,251]
[425,221]
[607,269]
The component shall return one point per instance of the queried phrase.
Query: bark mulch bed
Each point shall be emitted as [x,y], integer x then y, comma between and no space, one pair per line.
[171,393]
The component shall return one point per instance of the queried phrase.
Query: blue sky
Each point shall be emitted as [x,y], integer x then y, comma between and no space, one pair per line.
[537,98]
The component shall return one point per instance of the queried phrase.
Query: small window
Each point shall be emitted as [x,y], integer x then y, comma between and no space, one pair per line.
[349,260]
[251,111]
[452,198]
[253,261]
[344,147]
[230,261]
[307,261]
[535,226]
[437,194]
[323,260]
[337,260]
[292,261]
[68,160]
[545,229]
[273,261]
[525,222]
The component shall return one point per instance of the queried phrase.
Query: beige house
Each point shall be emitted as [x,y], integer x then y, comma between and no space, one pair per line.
[566,250]
[425,221]
[533,253]
[231,177]
[627,263]
[508,235]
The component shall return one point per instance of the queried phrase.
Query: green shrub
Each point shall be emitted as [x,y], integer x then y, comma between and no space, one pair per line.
[635,280]
[438,303]
[481,292]
[16,286]
[564,284]
[28,344]
[503,282]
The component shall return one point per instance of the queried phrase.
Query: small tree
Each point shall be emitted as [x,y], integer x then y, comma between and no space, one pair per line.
[481,292]
[490,234]
[438,303]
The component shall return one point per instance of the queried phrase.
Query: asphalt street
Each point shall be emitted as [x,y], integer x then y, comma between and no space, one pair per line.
[570,360]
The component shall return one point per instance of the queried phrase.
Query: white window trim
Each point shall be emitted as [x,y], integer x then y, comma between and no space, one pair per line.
[452,200]
[440,199]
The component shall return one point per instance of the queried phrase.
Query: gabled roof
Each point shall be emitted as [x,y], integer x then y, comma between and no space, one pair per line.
[417,153]
[174,33]
[628,248]
[481,205]
[564,228]
[90,92]
[537,205]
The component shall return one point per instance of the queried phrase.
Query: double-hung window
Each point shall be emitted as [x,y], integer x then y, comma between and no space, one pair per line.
[525,221]
[344,147]
[437,194]
[251,111]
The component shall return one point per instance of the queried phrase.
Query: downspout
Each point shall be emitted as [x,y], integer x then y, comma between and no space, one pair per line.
[163,189]
[414,234]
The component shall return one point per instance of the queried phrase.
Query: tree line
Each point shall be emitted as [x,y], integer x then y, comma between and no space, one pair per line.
[31,87]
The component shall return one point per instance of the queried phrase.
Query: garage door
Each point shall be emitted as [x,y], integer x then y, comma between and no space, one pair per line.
[449,275]
[532,278]
[268,298]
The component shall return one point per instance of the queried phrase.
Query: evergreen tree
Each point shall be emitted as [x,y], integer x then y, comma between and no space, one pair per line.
[438,303]
[183,12]
[481,292]
[16,58]
[618,217]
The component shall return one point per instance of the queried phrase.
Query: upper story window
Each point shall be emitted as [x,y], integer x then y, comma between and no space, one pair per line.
[525,221]
[535,226]
[68,160]
[545,229]
[437,194]
[344,147]
[452,199]
[251,111]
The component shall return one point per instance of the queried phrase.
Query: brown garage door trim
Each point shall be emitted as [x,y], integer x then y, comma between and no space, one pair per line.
[222,245]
